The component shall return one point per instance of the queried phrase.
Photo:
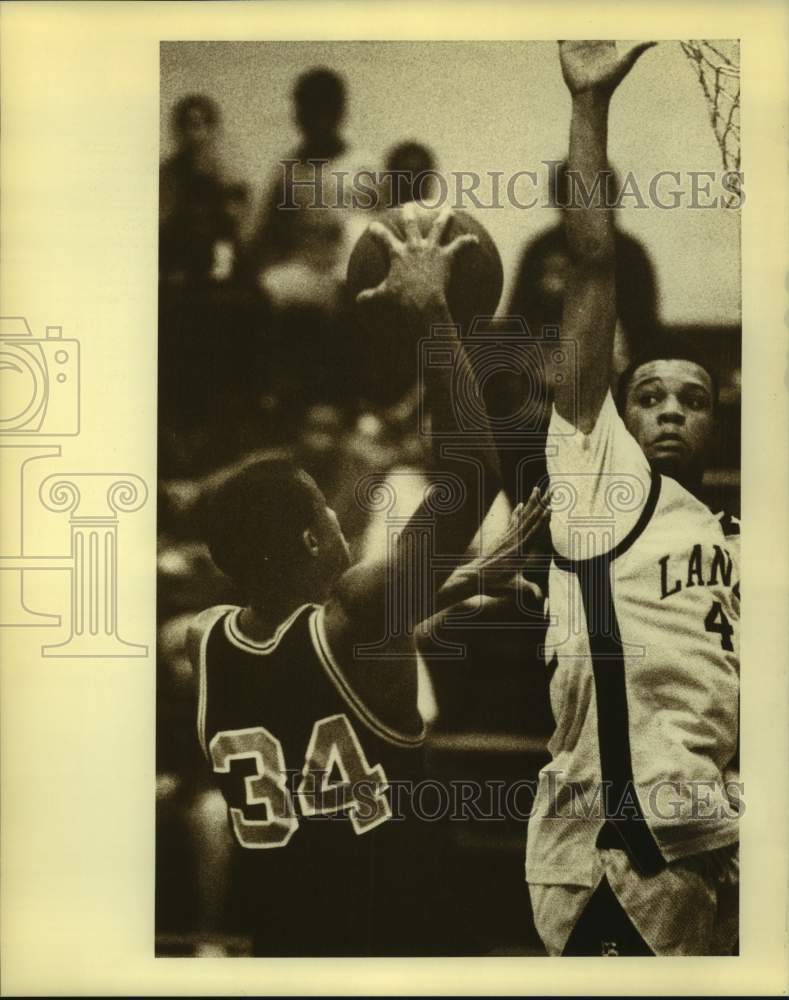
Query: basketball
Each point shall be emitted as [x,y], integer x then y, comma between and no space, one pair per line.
[477,277]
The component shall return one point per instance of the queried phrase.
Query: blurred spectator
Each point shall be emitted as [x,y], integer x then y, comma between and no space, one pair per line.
[412,167]
[299,254]
[209,358]
[199,208]
[544,268]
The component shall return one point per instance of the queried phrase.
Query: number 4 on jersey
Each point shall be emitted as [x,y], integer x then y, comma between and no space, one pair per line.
[337,777]
[716,621]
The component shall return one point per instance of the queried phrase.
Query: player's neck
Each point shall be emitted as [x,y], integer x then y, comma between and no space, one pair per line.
[260,619]
[692,483]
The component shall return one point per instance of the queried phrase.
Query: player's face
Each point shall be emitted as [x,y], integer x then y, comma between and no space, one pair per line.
[670,412]
[337,532]
[335,554]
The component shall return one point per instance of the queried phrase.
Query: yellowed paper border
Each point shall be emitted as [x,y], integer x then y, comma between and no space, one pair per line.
[80,119]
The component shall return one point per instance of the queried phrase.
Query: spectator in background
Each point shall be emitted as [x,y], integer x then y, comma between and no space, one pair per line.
[299,254]
[199,208]
[209,371]
[545,266]
[412,167]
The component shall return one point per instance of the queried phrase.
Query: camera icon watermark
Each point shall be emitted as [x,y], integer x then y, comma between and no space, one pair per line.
[39,400]
[501,381]
[39,383]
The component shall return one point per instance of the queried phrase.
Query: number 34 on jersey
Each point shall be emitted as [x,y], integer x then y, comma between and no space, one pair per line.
[336,778]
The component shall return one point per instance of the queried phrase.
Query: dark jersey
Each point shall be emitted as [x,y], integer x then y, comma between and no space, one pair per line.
[320,797]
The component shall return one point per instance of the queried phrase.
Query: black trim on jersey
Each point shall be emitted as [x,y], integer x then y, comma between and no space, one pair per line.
[608,667]
[575,565]
[629,831]
[730,525]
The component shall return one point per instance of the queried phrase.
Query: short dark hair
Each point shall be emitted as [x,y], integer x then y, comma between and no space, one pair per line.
[410,155]
[254,521]
[411,162]
[665,347]
[201,102]
[320,87]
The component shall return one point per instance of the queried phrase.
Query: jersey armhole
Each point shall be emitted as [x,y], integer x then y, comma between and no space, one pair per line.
[647,511]
[559,426]
[346,692]
[204,624]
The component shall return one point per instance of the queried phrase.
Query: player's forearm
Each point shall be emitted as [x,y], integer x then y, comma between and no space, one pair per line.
[469,456]
[589,314]
[590,228]
[439,384]
[466,477]
[447,520]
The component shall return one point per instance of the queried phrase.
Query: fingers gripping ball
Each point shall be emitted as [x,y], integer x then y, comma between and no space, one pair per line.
[476,277]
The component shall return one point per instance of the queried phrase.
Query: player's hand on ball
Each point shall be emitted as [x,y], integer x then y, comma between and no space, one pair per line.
[597,66]
[419,267]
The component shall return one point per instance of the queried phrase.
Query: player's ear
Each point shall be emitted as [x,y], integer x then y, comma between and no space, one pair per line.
[310,542]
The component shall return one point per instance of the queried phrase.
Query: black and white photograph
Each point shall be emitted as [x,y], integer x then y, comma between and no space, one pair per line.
[394,404]
[448,498]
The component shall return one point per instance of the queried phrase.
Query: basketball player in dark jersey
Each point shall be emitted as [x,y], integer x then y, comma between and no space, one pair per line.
[315,742]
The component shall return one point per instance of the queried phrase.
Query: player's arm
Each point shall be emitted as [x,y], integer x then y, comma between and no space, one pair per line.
[592,71]
[502,573]
[416,286]
[197,629]
[194,635]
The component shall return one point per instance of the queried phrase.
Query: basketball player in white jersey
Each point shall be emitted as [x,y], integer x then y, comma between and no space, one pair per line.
[633,839]
[667,397]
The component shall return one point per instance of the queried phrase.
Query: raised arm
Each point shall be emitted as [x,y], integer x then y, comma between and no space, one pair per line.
[592,71]
[401,591]
[503,573]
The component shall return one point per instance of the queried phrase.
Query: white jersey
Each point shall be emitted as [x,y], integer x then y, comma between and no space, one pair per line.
[643,639]
[730,526]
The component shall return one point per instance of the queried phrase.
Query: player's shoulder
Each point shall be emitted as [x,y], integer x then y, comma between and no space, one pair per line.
[201,625]
[607,447]
[676,498]
[683,518]
[203,621]
[386,705]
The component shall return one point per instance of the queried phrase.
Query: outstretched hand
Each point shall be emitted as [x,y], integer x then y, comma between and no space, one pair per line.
[597,65]
[501,571]
[420,266]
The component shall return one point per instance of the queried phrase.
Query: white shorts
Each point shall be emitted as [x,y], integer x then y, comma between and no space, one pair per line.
[690,908]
